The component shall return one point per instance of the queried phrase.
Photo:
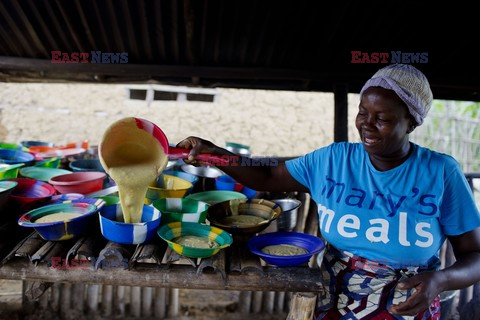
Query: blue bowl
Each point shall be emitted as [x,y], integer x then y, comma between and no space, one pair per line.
[65,229]
[308,242]
[30,143]
[114,229]
[228,183]
[86,165]
[9,156]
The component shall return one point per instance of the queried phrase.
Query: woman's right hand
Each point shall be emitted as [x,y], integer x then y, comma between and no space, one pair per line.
[196,146]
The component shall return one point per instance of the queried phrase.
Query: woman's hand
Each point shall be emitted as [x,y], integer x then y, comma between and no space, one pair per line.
[428,285]
[196,146]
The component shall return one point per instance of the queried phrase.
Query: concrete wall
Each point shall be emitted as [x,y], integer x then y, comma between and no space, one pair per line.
[282,123]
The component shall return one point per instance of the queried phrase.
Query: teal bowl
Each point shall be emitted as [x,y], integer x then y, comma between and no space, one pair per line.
[181,209]
[216,196]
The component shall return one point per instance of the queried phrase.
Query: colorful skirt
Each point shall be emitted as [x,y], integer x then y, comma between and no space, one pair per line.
[363,289]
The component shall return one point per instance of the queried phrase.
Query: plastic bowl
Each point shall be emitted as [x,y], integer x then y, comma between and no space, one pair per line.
[228,183]
[308,242]
[171,231]
[216,196]
[32,143]
[175,188]
[78,182]
[114,229]
[6,188]
[48,163]
[110,200]
[265,209]
[178,209]
[86,165]
[40,149]
[65,229]
[30,194]
[238,148]
[8,171]
[193,179]
[60,198]
[41,173]
[9,156]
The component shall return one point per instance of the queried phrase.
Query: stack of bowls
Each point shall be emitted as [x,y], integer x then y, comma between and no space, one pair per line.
[29,194]
[228,183]
[9,156]
[206,175]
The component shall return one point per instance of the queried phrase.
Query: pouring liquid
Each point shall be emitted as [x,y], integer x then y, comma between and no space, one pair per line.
[133,164]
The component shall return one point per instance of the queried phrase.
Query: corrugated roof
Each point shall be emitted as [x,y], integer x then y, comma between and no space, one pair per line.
[296,45]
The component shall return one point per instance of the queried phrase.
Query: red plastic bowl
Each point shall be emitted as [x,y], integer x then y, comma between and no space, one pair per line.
[30,193]
[79,182]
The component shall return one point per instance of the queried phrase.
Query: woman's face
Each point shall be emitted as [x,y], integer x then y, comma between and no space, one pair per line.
[383,122]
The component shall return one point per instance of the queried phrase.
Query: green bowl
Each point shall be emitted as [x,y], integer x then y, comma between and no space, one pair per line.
[109,200]
[216,196]
[171,231]
[180,209]
[42,173]
[9,171]
[48,163]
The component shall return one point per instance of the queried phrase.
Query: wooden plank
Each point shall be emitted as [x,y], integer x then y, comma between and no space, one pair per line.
[176,276]
[135,302]
[28,305]
[214,264]
[45,299]
[160,310]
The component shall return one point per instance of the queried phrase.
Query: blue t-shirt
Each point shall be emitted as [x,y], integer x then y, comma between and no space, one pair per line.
[398,217]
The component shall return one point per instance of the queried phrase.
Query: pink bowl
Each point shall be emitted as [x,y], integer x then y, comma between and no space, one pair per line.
[30,193]
[79,182]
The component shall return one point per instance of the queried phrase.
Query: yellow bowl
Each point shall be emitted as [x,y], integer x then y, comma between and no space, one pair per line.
[175,188]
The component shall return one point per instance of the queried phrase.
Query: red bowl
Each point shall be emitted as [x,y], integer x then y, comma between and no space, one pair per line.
[30,193]
[79,182]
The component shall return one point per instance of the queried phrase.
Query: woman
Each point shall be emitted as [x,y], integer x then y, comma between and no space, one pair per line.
[385,206]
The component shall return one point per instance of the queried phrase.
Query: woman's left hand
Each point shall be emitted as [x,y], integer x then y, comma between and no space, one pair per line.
[428,285]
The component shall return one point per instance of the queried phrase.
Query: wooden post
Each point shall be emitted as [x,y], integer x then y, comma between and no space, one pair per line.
[45,299]
[173,305]
[340,91]
[55,297]
[135,302]
[65,298]
[279,302]
[245,301]
[257,301]
[268,302]
[119,301]
[92,298]
[147,302]
[160,303]
[303,306]
[78,297]
[107,298]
